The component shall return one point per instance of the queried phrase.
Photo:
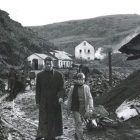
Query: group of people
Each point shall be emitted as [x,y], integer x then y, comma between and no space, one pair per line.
[50,94]
[17,82]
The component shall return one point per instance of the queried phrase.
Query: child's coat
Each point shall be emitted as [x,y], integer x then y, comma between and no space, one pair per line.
[88,99]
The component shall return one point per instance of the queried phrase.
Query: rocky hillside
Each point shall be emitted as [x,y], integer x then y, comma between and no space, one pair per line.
[106,31]
[120,60]
[18,42]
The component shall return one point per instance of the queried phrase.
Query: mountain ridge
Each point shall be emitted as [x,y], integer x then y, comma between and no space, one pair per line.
[98,31]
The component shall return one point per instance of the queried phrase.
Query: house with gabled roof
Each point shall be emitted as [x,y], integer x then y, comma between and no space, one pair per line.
[36,60]
[61,60]
[85,51]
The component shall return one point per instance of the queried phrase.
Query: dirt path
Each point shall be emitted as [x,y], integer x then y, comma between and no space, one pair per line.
[25,105]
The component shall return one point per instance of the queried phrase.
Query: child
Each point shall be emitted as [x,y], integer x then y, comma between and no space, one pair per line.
[80,102]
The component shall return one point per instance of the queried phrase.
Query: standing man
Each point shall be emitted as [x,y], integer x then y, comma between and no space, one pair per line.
[11,79]
[49,96]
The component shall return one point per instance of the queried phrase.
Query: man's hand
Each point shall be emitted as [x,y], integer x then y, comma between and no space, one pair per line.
[60,100]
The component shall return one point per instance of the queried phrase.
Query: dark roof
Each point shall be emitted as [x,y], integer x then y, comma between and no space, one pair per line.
[132,47]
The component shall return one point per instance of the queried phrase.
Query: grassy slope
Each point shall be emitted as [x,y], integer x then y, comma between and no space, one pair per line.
[18,42]
[100,31]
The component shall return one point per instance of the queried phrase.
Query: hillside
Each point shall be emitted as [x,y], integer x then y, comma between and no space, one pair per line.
[100,31]
[120,60]
[18,42]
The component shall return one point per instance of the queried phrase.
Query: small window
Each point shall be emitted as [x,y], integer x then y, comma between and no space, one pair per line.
[88,51]
[84,43]
[80,51]
[63,64]
[85,50]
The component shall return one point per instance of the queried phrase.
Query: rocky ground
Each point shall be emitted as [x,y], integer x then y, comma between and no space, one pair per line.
[26,108]
[16,127]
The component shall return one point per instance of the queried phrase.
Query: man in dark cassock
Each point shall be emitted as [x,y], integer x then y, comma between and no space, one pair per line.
[49,96]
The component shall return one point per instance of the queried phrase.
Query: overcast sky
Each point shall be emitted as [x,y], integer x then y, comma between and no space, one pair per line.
[42,12]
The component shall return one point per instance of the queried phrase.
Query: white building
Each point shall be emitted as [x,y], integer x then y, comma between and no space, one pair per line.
[36,60]
[85,51]
[63,59]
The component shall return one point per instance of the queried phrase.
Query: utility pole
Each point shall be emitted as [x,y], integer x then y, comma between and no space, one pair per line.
[110,69]
[42,47]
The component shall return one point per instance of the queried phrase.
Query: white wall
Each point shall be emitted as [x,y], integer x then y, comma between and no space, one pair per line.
[85,51]
[67,63]
[33,56]
[40,61]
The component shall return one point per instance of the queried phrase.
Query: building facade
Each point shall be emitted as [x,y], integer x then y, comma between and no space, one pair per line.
[85,51]
[63,59]
[36,60]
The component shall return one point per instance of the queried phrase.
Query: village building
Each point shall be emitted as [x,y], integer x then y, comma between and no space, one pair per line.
[85,51]
[36,60]
[63,59]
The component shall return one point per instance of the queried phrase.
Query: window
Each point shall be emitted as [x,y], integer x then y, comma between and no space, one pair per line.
[88,51]
[80,51]
[63,64]
[85,50]
[84,43]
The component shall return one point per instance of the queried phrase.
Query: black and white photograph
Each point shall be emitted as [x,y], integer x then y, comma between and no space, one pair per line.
[69,70]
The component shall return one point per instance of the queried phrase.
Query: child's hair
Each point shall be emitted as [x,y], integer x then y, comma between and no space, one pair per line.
[80,76]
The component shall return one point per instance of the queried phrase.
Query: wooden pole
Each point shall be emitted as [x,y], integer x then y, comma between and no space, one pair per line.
[110,69]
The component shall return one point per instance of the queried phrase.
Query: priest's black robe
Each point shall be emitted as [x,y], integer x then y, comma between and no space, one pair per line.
[49,88]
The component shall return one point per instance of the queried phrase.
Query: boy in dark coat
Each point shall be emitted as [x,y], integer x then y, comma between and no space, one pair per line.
[49,96]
